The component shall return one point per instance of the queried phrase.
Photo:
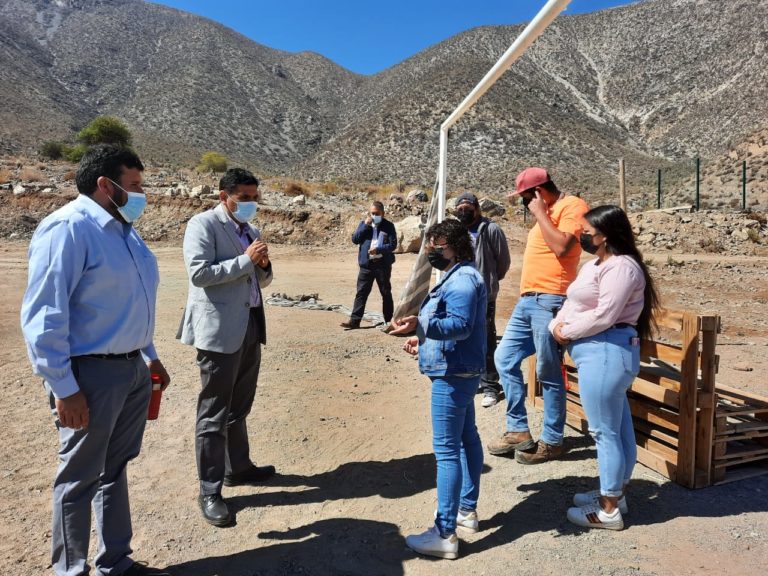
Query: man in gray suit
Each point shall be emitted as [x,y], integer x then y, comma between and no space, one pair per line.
[228,264]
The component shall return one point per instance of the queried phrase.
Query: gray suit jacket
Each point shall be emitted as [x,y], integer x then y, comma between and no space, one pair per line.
[220,276]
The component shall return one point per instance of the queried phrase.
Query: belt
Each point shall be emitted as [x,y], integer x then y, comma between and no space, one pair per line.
[528,294]
[126,356]
[623,325]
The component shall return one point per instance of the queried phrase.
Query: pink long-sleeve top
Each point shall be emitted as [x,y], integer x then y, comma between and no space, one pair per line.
[602,295]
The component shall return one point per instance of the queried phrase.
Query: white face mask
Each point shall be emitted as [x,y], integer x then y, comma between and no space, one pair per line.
[376,219]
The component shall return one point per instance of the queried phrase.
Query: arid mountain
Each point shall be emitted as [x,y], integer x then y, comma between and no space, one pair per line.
[658,83]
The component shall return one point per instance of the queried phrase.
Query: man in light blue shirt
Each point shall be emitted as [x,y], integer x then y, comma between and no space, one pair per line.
[88,317]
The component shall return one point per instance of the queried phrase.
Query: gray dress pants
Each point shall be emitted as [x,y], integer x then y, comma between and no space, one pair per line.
[228,388]
[92,466]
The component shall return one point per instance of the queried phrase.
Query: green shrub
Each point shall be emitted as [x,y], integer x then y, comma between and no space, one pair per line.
[105,130]
[74,153]
[212,162]
[52,150]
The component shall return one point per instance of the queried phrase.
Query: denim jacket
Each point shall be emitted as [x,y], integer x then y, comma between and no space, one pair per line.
[451,326]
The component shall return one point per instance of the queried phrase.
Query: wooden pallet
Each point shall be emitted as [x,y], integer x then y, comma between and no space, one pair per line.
[688,428]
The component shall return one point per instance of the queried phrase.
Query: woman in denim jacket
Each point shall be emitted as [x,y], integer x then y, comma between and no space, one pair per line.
[609,308]
[450,342]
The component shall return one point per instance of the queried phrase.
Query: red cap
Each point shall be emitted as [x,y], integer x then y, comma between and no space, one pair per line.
[530,178]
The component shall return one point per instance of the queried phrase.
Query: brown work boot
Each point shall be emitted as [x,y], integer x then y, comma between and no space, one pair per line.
[544,453]
[510,442]
[351,324]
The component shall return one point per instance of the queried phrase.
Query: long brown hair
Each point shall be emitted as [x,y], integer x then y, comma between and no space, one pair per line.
[612,222]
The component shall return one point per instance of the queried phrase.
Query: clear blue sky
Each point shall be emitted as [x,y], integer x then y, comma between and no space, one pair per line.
[367,36]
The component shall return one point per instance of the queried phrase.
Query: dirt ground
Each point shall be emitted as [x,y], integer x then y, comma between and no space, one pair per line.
[344,416]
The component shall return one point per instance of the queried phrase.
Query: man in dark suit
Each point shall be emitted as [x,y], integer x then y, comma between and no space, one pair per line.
[228,264]
[377,240]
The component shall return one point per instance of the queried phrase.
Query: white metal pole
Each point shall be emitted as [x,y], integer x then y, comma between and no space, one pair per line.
[442,174]
[527,37]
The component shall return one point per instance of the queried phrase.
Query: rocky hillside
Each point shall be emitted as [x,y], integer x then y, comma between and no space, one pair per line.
[295,213]
[657,82]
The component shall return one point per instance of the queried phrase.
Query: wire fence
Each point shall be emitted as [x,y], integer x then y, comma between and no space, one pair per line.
[718,186]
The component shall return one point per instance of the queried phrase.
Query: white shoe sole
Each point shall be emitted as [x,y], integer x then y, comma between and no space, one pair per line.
[574,516]
[446,554]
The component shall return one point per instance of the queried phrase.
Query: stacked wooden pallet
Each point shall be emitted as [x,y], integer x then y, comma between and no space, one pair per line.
[688,428]
[741,435]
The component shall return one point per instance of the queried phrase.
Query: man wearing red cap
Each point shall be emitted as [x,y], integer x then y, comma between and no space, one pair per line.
[549,266]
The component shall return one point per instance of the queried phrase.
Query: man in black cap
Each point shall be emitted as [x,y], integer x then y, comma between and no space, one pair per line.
[492,261]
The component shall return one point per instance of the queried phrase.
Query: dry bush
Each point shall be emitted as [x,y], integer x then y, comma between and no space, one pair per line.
[31,175]
[5,176]
[69,175]
[295,188]
[710,245]
[380,192]
[329,188]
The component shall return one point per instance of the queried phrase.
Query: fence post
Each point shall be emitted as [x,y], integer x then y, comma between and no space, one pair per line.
[698,184]
[658,190]
[622,188]
[744,185]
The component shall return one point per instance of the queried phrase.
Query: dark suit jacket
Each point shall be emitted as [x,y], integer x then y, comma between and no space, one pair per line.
[387,237]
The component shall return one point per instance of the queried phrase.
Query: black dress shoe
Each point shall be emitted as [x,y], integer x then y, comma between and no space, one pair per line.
[141,569]
[214,509]
[252,475]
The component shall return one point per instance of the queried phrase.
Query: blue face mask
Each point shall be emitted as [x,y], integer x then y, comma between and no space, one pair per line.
[376,219]
[245,210]
[134,207]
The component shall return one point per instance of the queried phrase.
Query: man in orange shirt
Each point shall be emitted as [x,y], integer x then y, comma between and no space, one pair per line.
[549,266]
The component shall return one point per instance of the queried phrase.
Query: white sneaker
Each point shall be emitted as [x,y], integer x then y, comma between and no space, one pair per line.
[490,398]
[593,497]
[467,520]
[430,543]
[592,516]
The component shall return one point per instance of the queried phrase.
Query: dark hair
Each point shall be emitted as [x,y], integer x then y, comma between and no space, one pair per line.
[378,205]
[235,177]
[456,236]
[104,160]
[612,222]
[550,187]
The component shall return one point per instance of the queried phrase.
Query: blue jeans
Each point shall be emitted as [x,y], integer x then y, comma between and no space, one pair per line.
[527,333]
[457,447]
[608,363]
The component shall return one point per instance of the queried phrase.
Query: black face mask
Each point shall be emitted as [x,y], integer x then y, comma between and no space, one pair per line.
[437,260]
[466,217]
[586,243]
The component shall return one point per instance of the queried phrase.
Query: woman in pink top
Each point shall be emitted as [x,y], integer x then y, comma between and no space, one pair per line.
[609,308]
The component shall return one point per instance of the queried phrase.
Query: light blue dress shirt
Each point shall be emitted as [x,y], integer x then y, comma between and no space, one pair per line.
[91,289]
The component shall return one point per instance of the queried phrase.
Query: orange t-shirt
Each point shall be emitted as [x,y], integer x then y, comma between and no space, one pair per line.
[542,270]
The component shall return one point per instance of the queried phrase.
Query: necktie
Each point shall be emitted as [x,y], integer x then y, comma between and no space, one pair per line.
[245,233]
